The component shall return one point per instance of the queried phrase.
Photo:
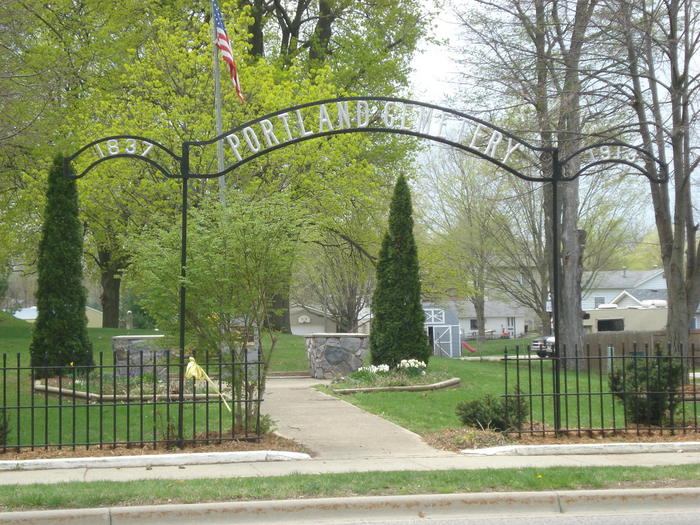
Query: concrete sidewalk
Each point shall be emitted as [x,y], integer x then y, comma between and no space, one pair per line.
[343,438]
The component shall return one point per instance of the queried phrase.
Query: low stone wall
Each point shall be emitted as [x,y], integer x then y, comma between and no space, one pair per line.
[333,355]
[127,354]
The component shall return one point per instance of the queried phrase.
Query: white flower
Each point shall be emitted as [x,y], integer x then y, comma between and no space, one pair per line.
[411,363]
[374,369]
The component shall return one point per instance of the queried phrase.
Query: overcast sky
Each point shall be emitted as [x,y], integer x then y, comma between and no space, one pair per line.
[433,65]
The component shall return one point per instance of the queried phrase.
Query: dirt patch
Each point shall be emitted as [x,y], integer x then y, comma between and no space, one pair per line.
[266,442]
[457,439]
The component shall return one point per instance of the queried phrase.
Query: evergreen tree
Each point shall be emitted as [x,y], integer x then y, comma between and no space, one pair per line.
[398,319]
[60,333]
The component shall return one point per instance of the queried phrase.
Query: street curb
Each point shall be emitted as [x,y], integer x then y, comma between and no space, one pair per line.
[585,448]
[333,510]
[153,460]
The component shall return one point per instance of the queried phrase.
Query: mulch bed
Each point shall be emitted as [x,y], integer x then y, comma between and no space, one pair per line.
[266,442]
[457,439]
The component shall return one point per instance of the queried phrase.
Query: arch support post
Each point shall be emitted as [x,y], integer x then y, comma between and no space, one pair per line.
[556,296]
[183,273]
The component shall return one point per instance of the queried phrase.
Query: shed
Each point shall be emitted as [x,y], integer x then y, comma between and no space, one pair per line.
[442,327]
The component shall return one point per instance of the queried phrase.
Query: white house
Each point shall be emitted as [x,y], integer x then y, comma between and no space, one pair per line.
[30,314]
[607,286]
[501,319]
[624,300]
[305,320]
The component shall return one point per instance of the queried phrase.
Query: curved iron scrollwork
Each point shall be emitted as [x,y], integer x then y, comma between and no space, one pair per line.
[125,146]
[337,116]
[344,115]
[617,152]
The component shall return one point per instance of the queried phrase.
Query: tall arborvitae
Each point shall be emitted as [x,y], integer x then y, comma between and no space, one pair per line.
[397,326]
[60,333]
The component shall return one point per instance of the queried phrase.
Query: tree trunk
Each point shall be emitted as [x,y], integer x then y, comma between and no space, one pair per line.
[110,279]
[278,319]
[321,38]
[255,28]
[479,307]
[109,298]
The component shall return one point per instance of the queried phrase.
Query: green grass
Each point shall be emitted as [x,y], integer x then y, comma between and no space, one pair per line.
[497,347]
[16,336]
[66,420]
[289,354]
[294,486]
[427,412]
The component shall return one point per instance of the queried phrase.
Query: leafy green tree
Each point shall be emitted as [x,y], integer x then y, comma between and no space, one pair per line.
[237,256]
[398,318]
[145,69]
[60,334]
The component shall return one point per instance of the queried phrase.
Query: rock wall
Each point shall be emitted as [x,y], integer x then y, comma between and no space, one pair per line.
[129,348]
[334,355]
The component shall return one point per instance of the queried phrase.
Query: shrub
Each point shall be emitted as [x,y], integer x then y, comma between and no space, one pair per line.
[649,387]
[492,413]
[60,332]
[398,318]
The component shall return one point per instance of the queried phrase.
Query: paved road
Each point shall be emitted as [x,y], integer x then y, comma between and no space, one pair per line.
[658,518]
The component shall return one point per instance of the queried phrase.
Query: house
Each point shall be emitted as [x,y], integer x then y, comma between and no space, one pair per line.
[624,300]
[30,314]
[606,287]
[502,319]
[305,320]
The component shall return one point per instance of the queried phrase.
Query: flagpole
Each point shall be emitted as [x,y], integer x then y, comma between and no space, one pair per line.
[217,106]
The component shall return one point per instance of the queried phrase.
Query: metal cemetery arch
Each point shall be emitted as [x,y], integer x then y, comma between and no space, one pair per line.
[339,116]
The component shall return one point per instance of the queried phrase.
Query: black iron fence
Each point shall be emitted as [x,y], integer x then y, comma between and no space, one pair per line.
[601,390]
[128,403]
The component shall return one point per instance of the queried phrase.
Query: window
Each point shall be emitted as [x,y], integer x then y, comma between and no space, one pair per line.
[597,301]
[473,324]
[611,325]
[694,323]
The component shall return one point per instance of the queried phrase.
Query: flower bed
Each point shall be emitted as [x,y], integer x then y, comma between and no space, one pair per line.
[119,389]
[409,375]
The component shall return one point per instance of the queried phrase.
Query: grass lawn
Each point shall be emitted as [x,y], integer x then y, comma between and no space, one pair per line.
[497,347]
[421,412]
[295,486]
[64,419]
[289,354]
[428,412]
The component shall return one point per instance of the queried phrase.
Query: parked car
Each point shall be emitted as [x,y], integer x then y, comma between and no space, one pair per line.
[543,346]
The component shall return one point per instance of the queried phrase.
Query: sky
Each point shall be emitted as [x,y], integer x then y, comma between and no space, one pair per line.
[432,64]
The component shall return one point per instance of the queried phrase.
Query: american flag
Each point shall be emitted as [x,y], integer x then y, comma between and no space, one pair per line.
[224,44]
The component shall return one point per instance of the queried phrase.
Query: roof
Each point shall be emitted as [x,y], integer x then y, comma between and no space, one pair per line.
[624,279]
[643,295]
[27,314]
[30,313]
[492,308]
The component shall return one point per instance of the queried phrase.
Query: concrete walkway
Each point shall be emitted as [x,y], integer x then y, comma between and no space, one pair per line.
[334,429]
